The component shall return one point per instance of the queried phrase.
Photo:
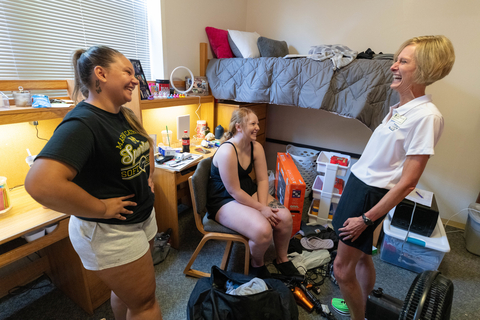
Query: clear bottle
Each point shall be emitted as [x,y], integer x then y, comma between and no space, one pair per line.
[185,141]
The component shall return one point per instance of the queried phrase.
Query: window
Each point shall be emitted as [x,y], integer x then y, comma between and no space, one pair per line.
[38,37]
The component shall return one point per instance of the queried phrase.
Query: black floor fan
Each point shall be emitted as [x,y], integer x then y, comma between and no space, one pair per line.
[429,298]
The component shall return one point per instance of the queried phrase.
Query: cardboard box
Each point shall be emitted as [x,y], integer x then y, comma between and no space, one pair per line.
[290,188]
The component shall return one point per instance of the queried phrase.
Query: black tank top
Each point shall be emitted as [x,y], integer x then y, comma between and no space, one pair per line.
[217,194]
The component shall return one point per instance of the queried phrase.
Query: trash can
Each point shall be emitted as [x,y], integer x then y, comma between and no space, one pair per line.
[472,229]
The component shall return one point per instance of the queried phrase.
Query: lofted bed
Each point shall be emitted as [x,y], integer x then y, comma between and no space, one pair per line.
[360,90]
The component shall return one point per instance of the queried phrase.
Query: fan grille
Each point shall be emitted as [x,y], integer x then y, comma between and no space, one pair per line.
[438,301]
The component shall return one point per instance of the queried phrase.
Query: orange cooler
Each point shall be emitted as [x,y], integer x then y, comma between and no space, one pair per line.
[290,188]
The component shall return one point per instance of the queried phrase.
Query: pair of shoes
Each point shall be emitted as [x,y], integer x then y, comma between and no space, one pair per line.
[286,268]
[340,306]
[260,272]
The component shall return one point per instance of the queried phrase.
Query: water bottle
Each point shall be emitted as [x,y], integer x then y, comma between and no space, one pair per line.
[219,132]
[185,141]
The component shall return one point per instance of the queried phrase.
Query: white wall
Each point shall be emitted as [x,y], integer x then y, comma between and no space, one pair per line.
[183,24]
[453,174]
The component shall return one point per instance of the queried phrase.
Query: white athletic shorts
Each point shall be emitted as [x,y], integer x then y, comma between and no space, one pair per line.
[102,246]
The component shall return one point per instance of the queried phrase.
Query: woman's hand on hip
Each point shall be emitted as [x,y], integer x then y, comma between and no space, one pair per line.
[115,207]
[352,228]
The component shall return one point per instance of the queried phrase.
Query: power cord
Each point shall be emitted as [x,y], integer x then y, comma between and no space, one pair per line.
[408,231]
[446,223]
[19,290]
[36,128]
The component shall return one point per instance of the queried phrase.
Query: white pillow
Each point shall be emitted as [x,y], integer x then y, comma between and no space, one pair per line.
[246,43]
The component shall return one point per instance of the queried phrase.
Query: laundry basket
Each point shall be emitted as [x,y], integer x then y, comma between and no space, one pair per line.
[305,160]
[472,229]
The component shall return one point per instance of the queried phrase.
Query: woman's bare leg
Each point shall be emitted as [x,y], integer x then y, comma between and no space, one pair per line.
[282,231]
[118,307]
[345,266]
[133,285]
[250,223]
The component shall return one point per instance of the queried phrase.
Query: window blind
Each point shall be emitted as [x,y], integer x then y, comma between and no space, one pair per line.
[38,37]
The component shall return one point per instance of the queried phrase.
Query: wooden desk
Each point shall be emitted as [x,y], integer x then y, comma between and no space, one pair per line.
[171,186]
[61,262]
[25,216]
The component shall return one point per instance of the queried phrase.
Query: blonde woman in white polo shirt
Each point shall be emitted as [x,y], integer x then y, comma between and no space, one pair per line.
[391,164]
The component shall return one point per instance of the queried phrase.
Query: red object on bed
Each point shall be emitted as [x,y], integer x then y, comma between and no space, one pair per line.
[218,39]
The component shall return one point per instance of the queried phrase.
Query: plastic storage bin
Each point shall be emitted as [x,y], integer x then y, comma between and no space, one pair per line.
[418,253]
[318,188]
[313,217]
[325,184]
[324,159]
[305,160]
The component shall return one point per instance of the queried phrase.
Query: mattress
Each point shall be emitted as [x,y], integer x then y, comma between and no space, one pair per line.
[360,90]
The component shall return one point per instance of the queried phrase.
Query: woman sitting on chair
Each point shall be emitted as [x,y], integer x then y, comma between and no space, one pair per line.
[235,201]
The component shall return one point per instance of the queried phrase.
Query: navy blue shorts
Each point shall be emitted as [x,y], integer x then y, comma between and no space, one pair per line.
[357,198]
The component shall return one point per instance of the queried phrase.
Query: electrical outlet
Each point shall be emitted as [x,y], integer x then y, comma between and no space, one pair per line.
[34,123]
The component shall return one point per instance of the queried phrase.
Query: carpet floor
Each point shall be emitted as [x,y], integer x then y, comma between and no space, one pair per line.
[41,300]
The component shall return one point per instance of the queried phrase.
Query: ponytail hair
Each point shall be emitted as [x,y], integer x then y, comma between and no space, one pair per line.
[135,124]
[84,62]
[239,116]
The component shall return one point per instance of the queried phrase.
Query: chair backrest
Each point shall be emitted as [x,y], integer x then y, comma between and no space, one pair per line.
[198,189]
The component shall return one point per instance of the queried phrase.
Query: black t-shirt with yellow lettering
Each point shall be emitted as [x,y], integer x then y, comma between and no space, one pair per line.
[112,159]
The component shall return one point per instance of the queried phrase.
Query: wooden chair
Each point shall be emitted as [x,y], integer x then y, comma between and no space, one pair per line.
[210,229]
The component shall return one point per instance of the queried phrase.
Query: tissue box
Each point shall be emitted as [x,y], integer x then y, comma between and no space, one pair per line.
[166,151]
[290,188]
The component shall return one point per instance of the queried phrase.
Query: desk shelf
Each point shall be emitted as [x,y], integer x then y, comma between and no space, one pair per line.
[17,115]
[163,103]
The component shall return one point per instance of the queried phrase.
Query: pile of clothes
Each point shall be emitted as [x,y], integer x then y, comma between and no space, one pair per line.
[311,247]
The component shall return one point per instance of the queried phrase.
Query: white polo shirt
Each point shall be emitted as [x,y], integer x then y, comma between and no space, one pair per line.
[412,129]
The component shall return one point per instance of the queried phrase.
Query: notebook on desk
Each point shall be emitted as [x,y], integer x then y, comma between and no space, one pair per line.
[180,165]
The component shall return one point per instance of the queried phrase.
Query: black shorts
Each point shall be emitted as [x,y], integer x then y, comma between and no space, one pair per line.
[356,199]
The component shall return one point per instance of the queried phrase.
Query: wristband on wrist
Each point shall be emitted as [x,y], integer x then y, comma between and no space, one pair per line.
[367,220]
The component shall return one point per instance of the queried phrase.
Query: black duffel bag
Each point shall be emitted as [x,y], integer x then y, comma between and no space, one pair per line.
[208,300]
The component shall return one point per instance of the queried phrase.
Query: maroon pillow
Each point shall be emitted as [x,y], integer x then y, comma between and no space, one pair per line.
[218,39]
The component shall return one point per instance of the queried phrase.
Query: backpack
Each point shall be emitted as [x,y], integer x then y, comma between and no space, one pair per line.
[208,300]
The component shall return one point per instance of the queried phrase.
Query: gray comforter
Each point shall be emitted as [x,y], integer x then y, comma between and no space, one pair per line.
[360,90]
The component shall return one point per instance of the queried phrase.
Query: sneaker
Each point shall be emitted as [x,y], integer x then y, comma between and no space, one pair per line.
[340,306]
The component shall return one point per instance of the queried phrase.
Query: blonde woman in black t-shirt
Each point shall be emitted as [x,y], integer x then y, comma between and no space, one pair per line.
[98,169]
